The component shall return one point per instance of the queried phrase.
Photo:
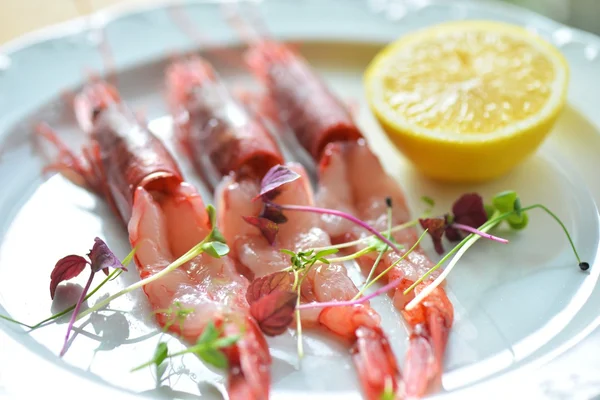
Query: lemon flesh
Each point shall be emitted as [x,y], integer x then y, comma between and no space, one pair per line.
[467,100]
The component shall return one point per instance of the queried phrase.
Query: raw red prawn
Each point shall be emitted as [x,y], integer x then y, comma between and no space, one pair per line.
[195,88]
[351,179]
[372,354]
[217,131]
[165,217]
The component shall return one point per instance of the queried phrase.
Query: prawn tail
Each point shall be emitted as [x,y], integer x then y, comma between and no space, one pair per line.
[439,329]
[424,362]
[249,363]
[375,363]
[420,366]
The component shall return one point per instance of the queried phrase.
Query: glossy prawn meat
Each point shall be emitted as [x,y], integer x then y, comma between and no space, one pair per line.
[372,354]
[351,178]
[217,131]
[301,98]
[165,217]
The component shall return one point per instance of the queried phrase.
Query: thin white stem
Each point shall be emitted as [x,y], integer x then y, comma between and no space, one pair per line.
[361,300]
[431,287]
[344,245]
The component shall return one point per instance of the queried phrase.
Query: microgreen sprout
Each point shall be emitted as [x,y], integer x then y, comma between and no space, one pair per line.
[100,259]
[161,353]
[468,212]
[388,269]
[371,239]
[303,261]
[306,259]
[382,249]
[271,184]
[344,215]
[113,275]
[299,323]
[208,348]
[213,244]
[175,314]
[506,206]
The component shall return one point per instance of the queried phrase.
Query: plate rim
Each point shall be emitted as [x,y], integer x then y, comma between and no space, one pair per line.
[114,13]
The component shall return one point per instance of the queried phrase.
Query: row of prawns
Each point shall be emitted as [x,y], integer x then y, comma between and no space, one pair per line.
[165,216]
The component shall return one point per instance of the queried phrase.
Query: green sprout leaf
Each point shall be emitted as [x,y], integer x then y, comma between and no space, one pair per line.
[325,253]
[377,244]
[209,343]
[489,211]
[226,341]
[428,200]
[209,334]
[505,201]
[517,206]
[215,249]
[217,236]
[212,356]
[175,313]
[509,201]
[518,223]
[206,348]
[161,353]
[212,215]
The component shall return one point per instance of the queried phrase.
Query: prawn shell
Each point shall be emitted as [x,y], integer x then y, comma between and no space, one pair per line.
[131,156]
[214,127]
[304,103]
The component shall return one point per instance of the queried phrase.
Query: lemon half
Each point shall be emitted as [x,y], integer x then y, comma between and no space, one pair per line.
[467,101]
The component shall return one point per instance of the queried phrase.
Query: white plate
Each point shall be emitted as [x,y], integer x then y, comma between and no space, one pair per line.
[518,308]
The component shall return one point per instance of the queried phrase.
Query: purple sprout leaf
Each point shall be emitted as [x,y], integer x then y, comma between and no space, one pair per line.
[273,213]
[261,287]
[276,177]
[467,210]
[275,311]
[268,228]
[436,228]
[66,268]
[102,258]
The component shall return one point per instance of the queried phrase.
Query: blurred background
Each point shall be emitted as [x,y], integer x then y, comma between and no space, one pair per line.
[21,16]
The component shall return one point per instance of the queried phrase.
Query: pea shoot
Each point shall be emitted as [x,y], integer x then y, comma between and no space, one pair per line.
[208,348]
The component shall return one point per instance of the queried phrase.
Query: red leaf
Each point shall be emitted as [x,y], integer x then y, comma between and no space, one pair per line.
[66,268]
[275,311]
[468,210]
[436,228]
[265,285]
[274,213]
[269,229]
